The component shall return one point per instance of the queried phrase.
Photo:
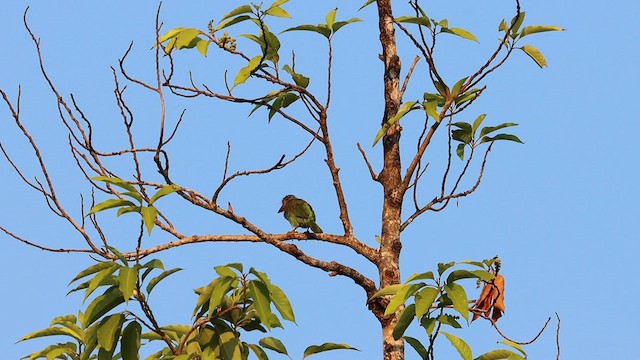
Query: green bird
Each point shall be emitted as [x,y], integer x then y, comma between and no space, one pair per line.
[299,213]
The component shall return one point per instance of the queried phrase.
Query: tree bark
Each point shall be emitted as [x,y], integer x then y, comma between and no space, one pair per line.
[391,180]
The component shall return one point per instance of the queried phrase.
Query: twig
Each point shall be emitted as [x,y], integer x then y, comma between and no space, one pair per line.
[558,337]
[494,323]
[374,176]
[408,77]
[43,247]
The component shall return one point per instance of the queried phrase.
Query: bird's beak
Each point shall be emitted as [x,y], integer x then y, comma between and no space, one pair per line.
[281,209]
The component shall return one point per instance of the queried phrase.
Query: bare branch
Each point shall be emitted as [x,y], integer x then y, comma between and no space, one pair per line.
[447,198]
[408,77]
[373,174]
[4,230]
[558,337]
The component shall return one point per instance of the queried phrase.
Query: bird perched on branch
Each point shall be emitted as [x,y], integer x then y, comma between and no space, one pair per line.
[299,213]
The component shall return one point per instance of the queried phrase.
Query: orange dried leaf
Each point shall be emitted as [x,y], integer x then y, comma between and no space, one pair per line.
[491,298]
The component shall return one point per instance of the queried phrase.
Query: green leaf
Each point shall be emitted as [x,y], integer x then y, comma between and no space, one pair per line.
[119,255]
[476,123]
[300,80]
[461,33]
[458,297]
[420,276]
[117,181]
[237,266]
[424,299]
[402,111]
[466,274]
[503,26]
[282,101]
[489,129]
[535,54]
[442,88]
[108,204]
[257,350]
[274,344]
[500,355]
[462,135]
[51,331]
[432,110]
[55,352]
[134,194]
[150,265]
[224,270]
[463,349]
[501,137]
[64,320]
[235,20]
[324,31]
[128,209]
[165,190]
[448,320]
[277,11]
[261,302]
[93,269]
[314,349]
[90,341]
[404,321]
[369,2]
[149,214]
[401,296]
[246,71]
[444,267]
[467,96]
[101,305]
[422,20]
[109,331]
[278,3]
[528,30]
[331,18]
[338,25]
[417,346]
[203,46]
[230,347]
[99,279]
[429,324]
[281,302]
[272,45]
[460,150]
[432,97]
[237,11]
[218,292]
[187,38]
[517,21]
[389,290]
[458,86]
[159,278]
[513,345]
[130,341]
[128,277]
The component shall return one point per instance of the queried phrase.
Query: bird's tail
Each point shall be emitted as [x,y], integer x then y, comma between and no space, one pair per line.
[316,229]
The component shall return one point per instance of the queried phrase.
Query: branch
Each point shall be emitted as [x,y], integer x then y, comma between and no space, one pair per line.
[451,196]
[4,230]
[406,79]
[281,163]
[373,174]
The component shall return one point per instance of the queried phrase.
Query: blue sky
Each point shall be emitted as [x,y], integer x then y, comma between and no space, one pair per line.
[561,210]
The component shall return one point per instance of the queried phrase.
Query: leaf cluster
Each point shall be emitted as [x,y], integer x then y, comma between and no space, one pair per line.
[136,204]
[231,304]
[436,301]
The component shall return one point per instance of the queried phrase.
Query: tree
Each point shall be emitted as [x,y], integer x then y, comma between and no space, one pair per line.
[266,82]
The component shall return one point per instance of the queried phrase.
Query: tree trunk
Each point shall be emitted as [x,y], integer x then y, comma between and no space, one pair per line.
[391,180]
